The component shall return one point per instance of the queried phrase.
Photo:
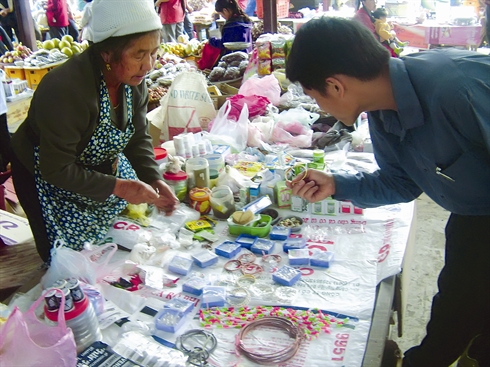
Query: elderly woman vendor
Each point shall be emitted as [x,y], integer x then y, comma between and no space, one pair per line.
[84,152]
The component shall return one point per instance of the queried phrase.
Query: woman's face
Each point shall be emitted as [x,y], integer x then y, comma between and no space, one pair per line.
[370,5]
[226,13]
[137,60]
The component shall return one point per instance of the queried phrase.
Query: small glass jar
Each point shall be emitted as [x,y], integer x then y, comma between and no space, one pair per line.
[177,182]
[199,200]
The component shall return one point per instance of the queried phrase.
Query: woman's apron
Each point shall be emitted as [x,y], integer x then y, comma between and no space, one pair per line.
[74,218]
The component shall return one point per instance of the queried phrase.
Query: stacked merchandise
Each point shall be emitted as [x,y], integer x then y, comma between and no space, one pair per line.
[272,51]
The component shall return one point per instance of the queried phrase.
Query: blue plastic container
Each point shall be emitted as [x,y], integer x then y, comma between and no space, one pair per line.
[286,275]
[321,258]
[246,240]
[262,246]
[299,256]
[180,265]
[169,320]
[228,249]
[195,285]
[294,243]
[205,258]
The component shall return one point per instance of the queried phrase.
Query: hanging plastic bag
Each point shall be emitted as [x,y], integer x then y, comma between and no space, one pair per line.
[267,86]
[257,105]
[27,341]
[209,56]
[66,263]
[226,131]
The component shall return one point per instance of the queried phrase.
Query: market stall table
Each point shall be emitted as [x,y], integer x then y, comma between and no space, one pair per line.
[433,34]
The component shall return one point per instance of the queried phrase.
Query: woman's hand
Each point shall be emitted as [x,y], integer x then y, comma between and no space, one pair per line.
[314,186]
[135,192]
[167,201]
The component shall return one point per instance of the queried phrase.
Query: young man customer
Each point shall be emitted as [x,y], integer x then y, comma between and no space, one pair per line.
[429,120]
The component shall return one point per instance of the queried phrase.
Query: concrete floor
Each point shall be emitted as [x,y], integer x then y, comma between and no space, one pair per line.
[428,260]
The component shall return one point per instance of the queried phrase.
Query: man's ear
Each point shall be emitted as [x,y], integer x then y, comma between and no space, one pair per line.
[335,87]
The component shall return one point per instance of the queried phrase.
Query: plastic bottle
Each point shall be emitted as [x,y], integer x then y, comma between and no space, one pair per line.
[83,322]
[222,202]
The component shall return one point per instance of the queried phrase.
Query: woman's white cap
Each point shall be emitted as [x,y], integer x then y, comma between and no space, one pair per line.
[114,18]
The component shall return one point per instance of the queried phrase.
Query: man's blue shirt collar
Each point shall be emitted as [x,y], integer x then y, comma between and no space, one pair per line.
[409,113]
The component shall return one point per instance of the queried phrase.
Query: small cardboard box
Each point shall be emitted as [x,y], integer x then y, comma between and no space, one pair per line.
[14,229]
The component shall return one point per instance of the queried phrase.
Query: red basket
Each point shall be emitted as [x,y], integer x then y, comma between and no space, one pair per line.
[281,5]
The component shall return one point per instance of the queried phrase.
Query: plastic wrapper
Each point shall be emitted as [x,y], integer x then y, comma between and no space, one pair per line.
[144,350]
[277,48]
[234,56]
[265,67]
[263,49]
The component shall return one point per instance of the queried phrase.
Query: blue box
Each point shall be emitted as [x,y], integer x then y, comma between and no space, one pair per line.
[246,241]
[299,256]
[321,258]
[180,265]
[286,275]
[169,320]
[205,258]
[228,249]
[195,285]
[294,243]
[180,304]
[279,233]
[262,246]
[213,296]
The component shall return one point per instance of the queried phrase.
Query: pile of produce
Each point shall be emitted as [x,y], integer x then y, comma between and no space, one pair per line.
[184,48]
[231,67]
[19,53]
[156,93]
[66,45]
[258,29]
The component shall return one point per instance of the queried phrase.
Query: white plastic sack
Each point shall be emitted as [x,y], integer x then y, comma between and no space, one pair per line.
[226,131]
[66,263]
[187,107]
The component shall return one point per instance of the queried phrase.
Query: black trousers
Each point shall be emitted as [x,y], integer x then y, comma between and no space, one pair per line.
[25,188]
[461,309]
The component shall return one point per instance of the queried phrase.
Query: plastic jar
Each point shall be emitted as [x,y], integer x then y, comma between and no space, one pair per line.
[222,202]
[177,182]
[213,178]
[160,155]
[82,321]
[197,170]
[215,162]
[199,199]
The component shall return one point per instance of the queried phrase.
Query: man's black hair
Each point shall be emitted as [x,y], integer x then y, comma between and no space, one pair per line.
[326,46]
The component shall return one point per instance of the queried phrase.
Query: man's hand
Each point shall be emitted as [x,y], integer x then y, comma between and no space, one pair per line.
[314,186]
[167,201]
[4,12]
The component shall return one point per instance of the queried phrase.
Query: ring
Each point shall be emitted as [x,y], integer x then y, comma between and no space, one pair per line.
[247,258]
[233,265]
[274,257]
[245,281]
[251,269]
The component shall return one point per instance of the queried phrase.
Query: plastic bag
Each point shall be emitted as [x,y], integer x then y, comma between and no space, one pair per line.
[66,263]
[233,179]
[99,258]
[293,133]
[257,105]
[27,341]
[229,132]
[268,87]
[260,131]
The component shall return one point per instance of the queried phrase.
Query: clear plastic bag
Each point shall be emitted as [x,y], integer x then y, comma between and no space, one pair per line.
[226,131]
[66,263]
